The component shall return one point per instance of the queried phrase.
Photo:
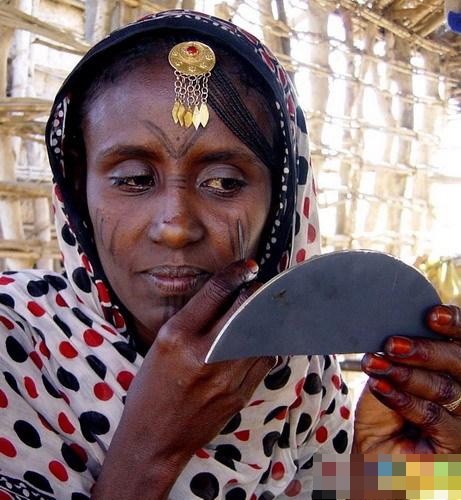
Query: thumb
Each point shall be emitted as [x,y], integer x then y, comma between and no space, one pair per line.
[374,421]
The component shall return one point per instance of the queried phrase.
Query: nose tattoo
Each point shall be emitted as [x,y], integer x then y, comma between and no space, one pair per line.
[240,239]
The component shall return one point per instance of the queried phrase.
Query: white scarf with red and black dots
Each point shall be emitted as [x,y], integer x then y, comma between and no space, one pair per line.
[67,361]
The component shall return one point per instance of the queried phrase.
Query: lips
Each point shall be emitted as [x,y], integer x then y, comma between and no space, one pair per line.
[176,280]
[176,271]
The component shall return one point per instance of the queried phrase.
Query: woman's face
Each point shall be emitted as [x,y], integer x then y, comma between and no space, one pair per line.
[165,201]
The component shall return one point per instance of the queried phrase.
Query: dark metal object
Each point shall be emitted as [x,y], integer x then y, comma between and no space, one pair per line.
[240,239]
[342,302]
[351,365]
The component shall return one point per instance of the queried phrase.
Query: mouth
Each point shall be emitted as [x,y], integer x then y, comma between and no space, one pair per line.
[176,280]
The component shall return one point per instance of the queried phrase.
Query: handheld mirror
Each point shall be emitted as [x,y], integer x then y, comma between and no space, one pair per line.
[341,302]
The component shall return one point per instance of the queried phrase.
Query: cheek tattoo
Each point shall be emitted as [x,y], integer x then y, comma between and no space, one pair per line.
[113,238]
[107,233]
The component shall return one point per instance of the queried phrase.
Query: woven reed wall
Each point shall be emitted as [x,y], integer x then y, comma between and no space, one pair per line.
[379,95]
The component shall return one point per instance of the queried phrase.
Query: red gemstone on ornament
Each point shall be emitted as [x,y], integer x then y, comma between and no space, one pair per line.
[191,50]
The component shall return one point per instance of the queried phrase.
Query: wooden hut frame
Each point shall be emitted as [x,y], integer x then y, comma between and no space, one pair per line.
[401,179]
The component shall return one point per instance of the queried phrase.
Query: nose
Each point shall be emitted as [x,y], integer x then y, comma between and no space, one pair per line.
[176,224]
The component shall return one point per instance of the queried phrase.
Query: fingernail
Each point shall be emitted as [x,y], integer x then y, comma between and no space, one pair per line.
[382,386]
[400,346]
[378,365]
[442,316]
[252,270]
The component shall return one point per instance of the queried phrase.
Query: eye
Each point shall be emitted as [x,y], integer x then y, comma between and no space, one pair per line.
[134,183]
[224,186]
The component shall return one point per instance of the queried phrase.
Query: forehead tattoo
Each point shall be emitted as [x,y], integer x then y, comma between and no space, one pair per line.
[175,151]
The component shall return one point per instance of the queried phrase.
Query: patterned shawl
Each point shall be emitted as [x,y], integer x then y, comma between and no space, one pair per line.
[67,357]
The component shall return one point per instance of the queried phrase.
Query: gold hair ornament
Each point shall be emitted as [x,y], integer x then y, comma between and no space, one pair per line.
[192,62]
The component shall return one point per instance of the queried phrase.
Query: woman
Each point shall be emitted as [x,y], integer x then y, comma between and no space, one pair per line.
[160,226]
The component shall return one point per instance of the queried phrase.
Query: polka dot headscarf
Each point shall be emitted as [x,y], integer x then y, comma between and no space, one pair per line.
[67,357]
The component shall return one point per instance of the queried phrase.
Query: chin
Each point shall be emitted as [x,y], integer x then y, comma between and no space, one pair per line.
[157,315]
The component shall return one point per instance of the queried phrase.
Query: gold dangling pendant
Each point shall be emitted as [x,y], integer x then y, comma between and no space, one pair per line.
[188,118]
[204,114]
[181,111]
[196,117]
[174,111]
[192,62]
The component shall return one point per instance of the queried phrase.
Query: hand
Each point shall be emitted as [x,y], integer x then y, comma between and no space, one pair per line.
[177,403]
[401,409]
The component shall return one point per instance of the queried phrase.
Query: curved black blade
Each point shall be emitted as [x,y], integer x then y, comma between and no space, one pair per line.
[342,302]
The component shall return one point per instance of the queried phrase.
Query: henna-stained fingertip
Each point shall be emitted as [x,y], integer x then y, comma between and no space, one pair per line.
[381,386]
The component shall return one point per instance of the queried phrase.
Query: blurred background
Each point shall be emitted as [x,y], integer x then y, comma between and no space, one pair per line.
[380,82]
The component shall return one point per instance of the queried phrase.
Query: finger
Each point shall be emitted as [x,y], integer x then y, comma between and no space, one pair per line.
[207,304]
[371,414]
[424,384]
[436,355]
[443,428]
[445,320]
[242,297]
[241,378]
[255,374]
[239,367]
[207,341]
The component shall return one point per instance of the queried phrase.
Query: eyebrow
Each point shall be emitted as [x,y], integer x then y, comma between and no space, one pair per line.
[229,155]
[125,151]
[226,155]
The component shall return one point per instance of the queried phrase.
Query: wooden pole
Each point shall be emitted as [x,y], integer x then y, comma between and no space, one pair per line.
[397,183]
[36,155]
[285,44]
[431,121]
[365,14]
[345,168]
[42,229]
[352,177]
[13,189]
[27,152]
[12,17]
[433,22]
[318,90]
[98,19]
[28,250]
[385,105]
[277,42]
[188,4]
[10,210]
